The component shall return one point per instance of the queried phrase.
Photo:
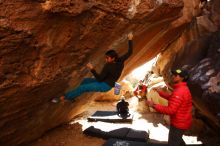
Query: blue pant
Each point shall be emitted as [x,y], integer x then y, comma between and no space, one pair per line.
[87,85]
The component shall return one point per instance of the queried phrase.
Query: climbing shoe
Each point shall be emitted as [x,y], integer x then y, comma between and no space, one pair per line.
[56,100]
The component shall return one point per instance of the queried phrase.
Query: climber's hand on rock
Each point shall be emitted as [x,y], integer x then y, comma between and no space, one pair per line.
[130,36]
[90,66]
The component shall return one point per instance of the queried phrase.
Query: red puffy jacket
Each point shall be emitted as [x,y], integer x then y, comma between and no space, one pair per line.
[179,106]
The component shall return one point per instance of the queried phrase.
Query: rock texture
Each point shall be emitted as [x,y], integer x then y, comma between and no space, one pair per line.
[45,45]
[197,50]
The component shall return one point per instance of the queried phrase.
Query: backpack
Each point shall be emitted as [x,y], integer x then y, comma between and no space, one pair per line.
[122,108]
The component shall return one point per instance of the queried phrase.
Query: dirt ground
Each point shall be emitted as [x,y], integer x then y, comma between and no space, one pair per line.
[71,134]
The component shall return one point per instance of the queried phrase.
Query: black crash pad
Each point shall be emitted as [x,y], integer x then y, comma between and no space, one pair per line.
[120,142]
[109,116]
[118,133]
[121,133]
[137,135]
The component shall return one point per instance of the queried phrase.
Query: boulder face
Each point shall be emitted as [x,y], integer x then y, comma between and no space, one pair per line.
[205,76]
[45,45]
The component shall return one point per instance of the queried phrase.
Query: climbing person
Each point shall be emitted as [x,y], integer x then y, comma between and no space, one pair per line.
[105,80]
[141,90]
[179,107]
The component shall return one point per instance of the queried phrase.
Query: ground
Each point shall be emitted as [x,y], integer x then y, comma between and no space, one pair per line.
[71,134]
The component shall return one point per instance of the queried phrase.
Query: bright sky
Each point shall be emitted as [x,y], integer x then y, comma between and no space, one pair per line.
[141,71]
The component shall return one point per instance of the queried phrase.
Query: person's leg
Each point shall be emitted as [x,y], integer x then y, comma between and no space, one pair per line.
[88,87]
[84,81]
[175,137]
[88,80]
[182,143]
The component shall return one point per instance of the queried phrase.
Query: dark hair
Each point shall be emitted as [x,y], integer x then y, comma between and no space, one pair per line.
[112,54]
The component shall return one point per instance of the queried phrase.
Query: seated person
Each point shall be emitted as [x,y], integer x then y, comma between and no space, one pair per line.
[141,90]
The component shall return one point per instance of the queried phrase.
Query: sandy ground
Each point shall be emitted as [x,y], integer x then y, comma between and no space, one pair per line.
[71,134]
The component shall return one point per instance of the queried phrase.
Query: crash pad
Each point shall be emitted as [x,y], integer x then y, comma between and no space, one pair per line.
[109,116]
[120,133]
[120,142]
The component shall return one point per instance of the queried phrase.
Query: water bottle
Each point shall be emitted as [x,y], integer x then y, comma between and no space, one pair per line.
[117,88]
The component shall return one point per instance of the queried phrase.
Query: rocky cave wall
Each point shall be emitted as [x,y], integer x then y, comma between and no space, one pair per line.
[45,45]
[197,50]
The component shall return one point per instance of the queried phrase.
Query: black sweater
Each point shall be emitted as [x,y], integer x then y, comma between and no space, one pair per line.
[112,71]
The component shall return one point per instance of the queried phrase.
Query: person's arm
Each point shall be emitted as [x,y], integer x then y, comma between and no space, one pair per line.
[163,94]
[99,77]
[136,91]
[173,105]
[137,88]
[144,89]
[130,48]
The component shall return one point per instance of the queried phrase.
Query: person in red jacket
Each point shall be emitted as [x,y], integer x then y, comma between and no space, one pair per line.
[141,90]
[179,107]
